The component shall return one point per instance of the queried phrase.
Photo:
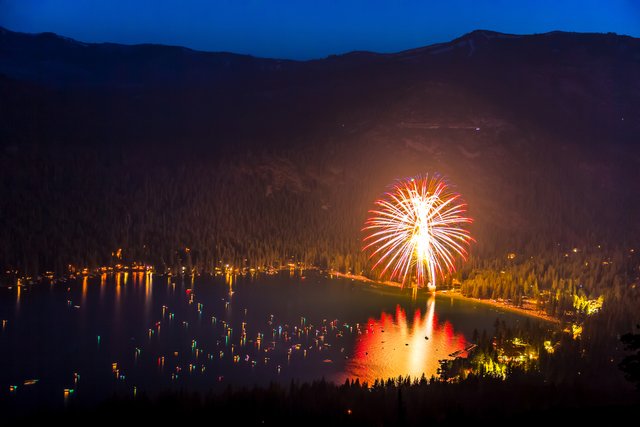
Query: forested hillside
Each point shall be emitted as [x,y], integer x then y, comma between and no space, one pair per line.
[192,159]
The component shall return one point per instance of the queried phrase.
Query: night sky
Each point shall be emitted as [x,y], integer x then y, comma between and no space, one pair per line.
[309,29]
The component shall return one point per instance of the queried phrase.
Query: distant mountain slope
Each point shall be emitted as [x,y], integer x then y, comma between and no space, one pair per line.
[105,145]
[573,83]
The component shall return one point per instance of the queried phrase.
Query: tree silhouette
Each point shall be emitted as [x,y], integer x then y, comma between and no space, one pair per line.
[631,363]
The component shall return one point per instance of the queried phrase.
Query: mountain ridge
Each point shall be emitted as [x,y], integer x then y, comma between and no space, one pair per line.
[539,134]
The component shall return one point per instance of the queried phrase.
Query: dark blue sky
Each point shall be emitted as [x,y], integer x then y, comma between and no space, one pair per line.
[306,29]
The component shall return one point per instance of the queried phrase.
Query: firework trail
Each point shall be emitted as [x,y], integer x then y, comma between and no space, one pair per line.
[417,228]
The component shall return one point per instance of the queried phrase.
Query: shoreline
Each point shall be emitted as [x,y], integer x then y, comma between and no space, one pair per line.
[503,305]
[457,295]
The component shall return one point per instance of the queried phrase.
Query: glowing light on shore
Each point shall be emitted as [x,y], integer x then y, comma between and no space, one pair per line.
[417,230]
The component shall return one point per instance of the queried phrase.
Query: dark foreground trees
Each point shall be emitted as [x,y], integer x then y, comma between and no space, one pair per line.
[524,399]
[631,364]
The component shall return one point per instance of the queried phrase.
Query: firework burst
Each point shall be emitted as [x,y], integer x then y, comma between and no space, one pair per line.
[417,229]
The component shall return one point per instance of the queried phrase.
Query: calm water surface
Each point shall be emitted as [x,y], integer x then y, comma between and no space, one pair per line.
[133,333]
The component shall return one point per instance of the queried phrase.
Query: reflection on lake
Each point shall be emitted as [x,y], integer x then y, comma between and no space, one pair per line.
[134,332]
[393,345]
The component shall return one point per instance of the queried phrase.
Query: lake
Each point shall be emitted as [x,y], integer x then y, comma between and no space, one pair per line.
[134,333]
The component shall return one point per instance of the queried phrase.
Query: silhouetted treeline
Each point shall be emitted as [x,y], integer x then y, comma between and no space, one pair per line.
[523,399]
[631,363]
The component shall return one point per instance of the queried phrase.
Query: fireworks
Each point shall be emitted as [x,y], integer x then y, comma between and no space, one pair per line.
[417,229]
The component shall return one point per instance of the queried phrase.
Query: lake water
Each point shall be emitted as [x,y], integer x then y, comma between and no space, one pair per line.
[135,333]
